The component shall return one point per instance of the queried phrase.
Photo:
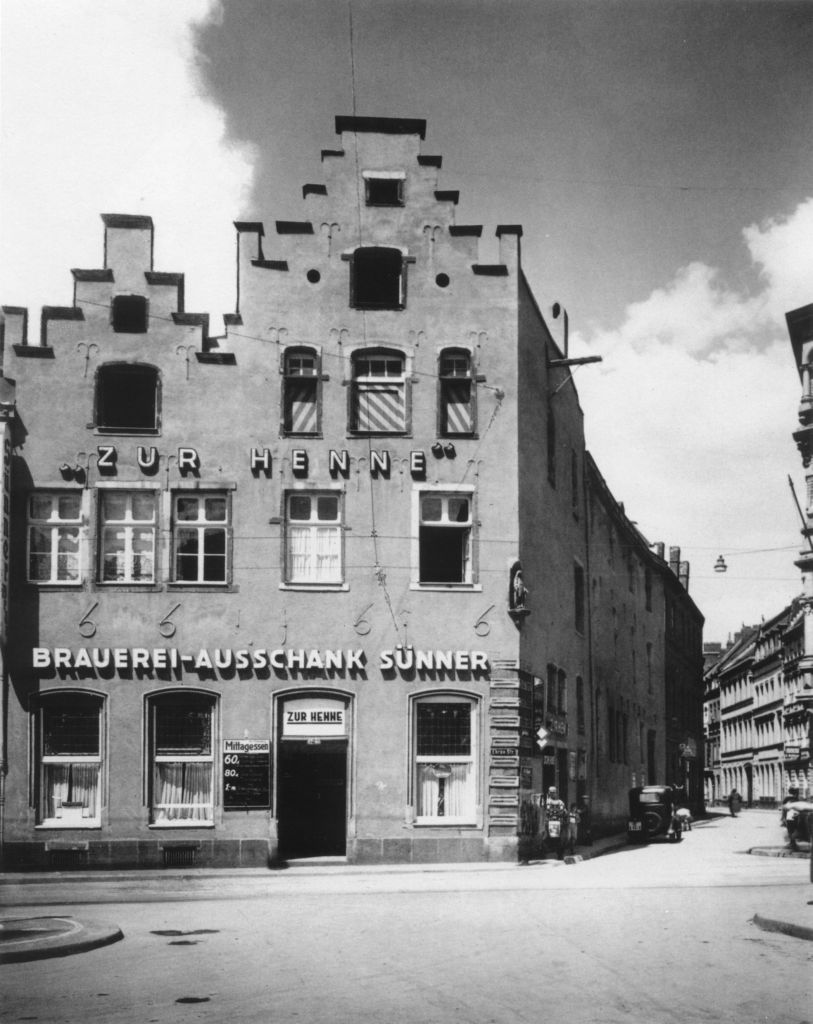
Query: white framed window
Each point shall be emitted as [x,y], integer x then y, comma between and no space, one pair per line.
[445,537]
[182,759]
[379,399]
[313,537]
[127,536]
[200,537]
[54,537]
[445,759]
[69,727]
[456,394]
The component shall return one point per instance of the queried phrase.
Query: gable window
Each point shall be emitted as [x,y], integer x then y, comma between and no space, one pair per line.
[200,534]
[456,394]
[127,536]
[377,279]
[300,392]
[444,538]
[127,398]
[379,392]
[128,314]
[182,763]
[54,537]
[70,760]
[384,189]
[313,537]
[444,759]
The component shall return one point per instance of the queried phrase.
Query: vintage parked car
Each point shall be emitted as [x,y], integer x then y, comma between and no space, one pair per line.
[652,814]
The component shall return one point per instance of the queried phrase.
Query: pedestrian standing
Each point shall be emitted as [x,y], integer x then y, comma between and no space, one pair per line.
[734,803]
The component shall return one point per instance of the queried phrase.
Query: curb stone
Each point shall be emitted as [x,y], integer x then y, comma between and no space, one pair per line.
[797,931]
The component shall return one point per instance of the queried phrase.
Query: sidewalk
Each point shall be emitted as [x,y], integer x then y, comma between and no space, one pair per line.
[37,938]
[33,938]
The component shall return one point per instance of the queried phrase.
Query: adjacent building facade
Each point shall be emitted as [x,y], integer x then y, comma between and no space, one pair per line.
[343,582]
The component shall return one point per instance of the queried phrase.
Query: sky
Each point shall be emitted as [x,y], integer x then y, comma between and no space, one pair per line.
[658,155]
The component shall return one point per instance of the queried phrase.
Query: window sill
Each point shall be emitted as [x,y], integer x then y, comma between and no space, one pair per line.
[129,586]
[55,584]
[332,587]
[203,588]
[124,432]
[173,825]
[464,588]
[59,826]
[445,823]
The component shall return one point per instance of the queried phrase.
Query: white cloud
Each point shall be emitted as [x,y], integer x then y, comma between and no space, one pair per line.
[101,114]
[690,419]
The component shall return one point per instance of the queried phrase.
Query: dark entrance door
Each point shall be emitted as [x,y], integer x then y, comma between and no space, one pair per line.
[312,798]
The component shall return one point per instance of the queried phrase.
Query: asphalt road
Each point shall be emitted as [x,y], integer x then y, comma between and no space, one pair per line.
[655,935]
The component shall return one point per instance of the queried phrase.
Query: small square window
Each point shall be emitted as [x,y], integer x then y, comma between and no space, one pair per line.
[129,314]
[384,191]
[127,398]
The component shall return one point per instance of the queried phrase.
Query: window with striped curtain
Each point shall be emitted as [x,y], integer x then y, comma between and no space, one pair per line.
[379,392]
[300,392]
[456,394]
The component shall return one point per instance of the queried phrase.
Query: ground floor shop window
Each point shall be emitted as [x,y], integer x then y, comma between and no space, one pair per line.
[181,727]
[445,760]
[70,760]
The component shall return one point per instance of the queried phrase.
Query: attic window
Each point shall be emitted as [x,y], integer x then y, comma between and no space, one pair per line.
[129,314]
[127,398]
[384,191]
[377,280]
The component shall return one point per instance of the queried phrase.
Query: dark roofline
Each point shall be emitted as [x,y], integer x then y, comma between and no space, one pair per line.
[382,125]
[126,220]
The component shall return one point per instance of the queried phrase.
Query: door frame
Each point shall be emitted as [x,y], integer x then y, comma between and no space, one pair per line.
[278,700]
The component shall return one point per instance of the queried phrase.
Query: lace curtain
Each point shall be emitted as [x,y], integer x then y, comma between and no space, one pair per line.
[71,783]
[444,791]
[183,791]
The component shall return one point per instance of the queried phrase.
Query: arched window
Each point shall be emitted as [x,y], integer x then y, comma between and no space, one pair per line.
[127,398]
[182,759]
[69,755]
[445,758]
[300,402]
[379,401]
[377,278]
[456,391]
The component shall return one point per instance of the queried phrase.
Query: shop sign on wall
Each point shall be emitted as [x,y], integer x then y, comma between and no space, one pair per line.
[246,774]
[317,716]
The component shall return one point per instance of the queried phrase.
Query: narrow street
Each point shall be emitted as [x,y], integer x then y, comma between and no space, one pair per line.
[656,934]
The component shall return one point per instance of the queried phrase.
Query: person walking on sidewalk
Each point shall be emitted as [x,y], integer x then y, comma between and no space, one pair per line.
[734,803]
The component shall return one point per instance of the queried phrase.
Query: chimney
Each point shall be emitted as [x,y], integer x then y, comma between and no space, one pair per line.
[674,560]
[683,575]
[659,548]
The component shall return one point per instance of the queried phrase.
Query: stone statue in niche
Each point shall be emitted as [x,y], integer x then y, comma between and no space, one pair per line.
[517,591]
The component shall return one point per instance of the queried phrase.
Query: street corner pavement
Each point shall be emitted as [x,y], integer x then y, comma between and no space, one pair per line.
[37,938]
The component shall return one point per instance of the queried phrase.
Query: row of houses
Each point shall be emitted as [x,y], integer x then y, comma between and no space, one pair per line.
[758,691]
[341,582]
[757,713]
